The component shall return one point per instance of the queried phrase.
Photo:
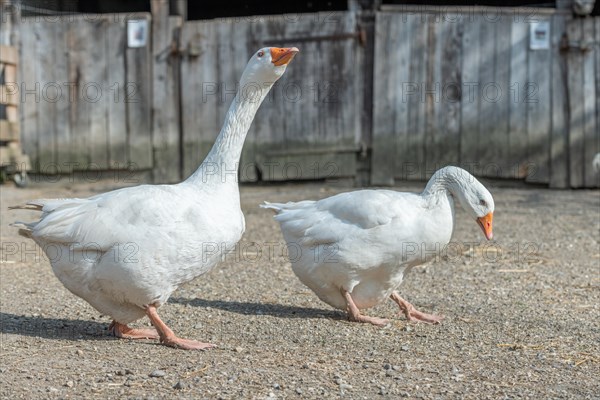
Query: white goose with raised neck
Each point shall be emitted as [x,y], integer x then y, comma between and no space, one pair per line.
[222,162]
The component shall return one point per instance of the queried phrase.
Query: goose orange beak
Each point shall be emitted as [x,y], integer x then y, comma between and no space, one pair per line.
[486,225]
[283,55]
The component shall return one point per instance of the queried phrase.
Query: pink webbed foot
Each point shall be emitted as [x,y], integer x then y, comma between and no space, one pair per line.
[186,344]
[414,315]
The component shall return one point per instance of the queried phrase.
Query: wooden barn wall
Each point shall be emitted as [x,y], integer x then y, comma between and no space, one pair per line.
[582,49]
[457,88]
[309,125]
[84,94]
[466,89]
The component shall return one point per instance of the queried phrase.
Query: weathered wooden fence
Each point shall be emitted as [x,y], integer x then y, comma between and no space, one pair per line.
[582,48]
[448,87]
[309,125]
[468,89]
[84,94]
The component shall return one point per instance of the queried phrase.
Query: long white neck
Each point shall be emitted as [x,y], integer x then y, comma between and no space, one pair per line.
[222,161]
[449,181]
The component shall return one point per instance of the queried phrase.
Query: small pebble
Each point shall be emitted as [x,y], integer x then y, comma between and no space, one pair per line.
[387,366]
[404,348]
[159,373]
[298,390]
[179,385]
[79,352]
[345,386]
[239,349]
[69,384]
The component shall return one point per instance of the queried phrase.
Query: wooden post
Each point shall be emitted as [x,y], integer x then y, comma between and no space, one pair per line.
[166,123]
[179,7]
[576,105]
[559,169]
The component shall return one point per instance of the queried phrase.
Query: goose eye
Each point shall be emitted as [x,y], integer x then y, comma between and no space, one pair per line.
[261,53]
[482,202]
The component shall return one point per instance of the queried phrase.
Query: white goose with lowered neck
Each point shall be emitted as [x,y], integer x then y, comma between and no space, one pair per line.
[352,249]
[127,250]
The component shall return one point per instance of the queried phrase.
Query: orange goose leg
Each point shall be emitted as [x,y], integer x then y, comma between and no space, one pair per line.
[412,314]
[124,332]
[355,315]
[168,338]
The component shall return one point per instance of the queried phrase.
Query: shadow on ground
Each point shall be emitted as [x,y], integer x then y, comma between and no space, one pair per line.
[275,310]
[52,328]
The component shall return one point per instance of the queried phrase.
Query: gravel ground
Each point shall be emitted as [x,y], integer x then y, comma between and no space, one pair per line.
[522,315]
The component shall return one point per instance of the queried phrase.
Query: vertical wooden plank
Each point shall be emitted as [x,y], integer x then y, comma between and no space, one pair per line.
[451,98]
[487,95]
[470,93]
[590,129]
[496,166]
[78,33]
[597,51]
[444,122]
[165,101]
[338,69]
[559,168]
[397,66]
[27,77]
[517,106]
[46,108]
[576,105]
[139,95]
[6,27]
[9,70]
[95,92]
[115,43]
[199,92]
[415,167]
[61,75]
[337,128]
[388,47]
[431,94]
[539,115]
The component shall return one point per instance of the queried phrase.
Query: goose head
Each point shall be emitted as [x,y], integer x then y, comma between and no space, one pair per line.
[479,204]
[266,66]
[472,195]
